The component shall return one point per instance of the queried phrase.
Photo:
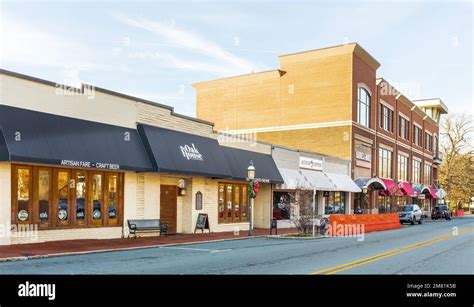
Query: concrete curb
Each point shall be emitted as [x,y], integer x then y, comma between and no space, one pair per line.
[19,258]
[294,238]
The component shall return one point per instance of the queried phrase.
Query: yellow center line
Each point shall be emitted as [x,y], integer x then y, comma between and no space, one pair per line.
[390,253]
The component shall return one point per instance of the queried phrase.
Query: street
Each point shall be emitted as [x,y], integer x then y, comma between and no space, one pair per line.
[430,248]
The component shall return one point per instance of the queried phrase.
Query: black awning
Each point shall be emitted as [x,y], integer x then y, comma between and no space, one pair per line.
[178,152]
[38,137]
[239,160]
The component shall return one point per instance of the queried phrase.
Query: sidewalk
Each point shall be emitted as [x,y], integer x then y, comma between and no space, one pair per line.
[59,248]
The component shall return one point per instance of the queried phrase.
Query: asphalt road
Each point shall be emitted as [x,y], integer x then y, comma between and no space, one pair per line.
[430,248]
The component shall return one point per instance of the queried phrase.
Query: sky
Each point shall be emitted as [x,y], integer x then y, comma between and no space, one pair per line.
[157,49]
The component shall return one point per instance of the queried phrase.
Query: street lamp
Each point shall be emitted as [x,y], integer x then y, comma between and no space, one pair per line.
[251,177]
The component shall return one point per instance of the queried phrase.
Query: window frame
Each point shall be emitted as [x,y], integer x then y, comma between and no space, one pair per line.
[385,163]
[53,221]
[402,166]
[366,105]
[242,187]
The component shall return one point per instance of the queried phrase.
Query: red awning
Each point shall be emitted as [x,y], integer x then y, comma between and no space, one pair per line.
[392,188]
[432,192]
[407,189]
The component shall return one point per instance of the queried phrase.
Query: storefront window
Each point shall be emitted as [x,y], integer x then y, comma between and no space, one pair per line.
[335,202]
[383,204]
[63,196]
[66,195]
[221,202]
[97,197]
[112,196]
[80,196]
[281,205]
[233,203]
[24,195]
[44,195]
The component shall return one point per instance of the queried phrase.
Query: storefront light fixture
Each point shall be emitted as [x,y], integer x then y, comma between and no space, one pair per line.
[364,190]
[251,171]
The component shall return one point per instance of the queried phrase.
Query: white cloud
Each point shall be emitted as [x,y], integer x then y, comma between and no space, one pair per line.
[224,61]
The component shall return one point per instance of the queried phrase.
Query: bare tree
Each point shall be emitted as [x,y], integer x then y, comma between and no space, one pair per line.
[301,204]
[457,171]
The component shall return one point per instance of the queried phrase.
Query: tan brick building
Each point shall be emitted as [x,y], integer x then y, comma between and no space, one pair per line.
[330,101]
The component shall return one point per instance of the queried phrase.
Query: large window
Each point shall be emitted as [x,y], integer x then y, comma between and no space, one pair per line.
[428,142]
[435,147]
[416,171]
[417,135]
[60,197]
[363,107]
[427,174]
[233,203]
[403,127]
[402,168]
[282,205]
[386,118]
[334,202]
[385,163]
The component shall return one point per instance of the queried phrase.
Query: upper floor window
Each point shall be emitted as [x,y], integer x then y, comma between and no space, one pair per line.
[416,171]
[435,146]
[386,118]
[417,135]
[427,174]
[402,168]
[403,127]
[428,142]
[363,107]
[385,163]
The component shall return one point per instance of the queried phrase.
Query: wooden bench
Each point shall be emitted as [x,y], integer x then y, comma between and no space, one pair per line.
[147,225]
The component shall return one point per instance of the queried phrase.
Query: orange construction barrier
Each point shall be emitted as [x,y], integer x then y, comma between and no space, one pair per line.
[346,224]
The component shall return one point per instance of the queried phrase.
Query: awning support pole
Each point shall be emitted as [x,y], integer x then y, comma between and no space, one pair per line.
[314,208]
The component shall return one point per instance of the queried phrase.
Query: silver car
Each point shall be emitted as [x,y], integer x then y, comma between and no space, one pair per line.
[411,214]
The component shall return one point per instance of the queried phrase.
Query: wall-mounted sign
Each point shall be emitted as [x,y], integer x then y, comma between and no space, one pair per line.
[364,164]
[23,215]
[191,152]
[363,156]
[97,214]
[308,163]
[88,164]
[198,201]
[62,215]
[421,196]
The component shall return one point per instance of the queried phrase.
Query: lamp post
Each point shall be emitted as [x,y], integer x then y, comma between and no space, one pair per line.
[251,176]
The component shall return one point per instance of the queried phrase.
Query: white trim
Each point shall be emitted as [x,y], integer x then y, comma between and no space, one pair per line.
[426,131]
[418,125]
[402,153]
[405,116]
[386,104]
[381,145]
[429,156]
[427,163]
[364,86]
[404,145]
[383,136]
[417,159]
[362,138]
[417,151]
[289,127]
[369,130]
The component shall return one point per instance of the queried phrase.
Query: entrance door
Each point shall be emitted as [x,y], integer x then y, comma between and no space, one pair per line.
[168,206]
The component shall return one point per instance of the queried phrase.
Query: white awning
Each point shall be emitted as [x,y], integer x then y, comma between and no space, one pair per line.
[344,183]
[293,179]
[318,180]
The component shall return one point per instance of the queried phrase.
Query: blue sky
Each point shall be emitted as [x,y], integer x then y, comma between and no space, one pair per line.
[155,50]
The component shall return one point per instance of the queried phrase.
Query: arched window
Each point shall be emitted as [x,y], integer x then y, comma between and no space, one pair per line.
[363,107]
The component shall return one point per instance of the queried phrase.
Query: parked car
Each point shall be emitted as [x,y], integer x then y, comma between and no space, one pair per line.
[441,212]
[411,214]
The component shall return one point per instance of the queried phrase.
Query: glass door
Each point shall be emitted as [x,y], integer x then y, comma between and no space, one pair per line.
[63,194]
